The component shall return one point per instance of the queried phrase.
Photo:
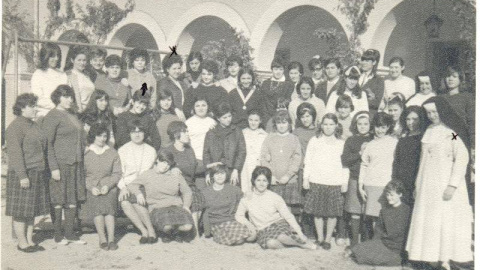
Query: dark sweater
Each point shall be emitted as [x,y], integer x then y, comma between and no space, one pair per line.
[178,94]
[392,227]
[152,136]
[221,205]
[185,160]
[65,135]
[351,157]
[272,91]
[213,94]
[464,105]
[321,90]
[240,115]
[26,146]
[226,145]
[377,86]
[407,160]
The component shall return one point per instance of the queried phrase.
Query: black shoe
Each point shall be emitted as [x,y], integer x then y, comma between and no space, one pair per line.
[104,246]
[167,238]
[29,249]
[39,248]
[178,238]
[326,246]
[143,240]
[112,246]
[152,240]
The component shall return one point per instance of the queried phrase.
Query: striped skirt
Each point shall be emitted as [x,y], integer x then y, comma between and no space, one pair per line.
[31,202]
[198,201]
[70,189]
[290,192]
[229,232]
[172,215]
[275,230]
[324,201]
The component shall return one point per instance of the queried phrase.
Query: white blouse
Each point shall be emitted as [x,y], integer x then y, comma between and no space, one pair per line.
[197,130]
[43,83]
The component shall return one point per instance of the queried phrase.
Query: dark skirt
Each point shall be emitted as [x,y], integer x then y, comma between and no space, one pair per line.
[353,202]
[100,205]
[275,230]
[290,192]
[324,201]
[172,215]
[374,252]
[229,232]
[31,202]
[198,201]
[70,189]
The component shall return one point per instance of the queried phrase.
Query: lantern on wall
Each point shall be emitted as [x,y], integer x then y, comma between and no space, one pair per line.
[433,24]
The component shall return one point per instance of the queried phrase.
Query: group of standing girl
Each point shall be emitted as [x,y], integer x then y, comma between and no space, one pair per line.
[189,154]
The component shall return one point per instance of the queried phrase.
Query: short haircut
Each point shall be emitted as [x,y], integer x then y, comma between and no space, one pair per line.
[175,128]
[200,98]
[395,186]
[278,63]
[372,55]
[98,52]
[248,71]
[192,56]
[63,90]
[422,117]
[396,59]
[113,60]
[314,62]
[136,53]
[338,131]
[47,51]
[359,115]
[138,96]
[308,81]
[210,66]
[353,72]
[22,101]
[303,109]
[222,109]
[295,65]
[220,168]
[232,59]
[344,101]
[334,61]
[397,99]
[461,76]
[97,129]
[134,125]
[168,62]
[261,170]
[255,112]
[280,117]
[165,156]
[383,119]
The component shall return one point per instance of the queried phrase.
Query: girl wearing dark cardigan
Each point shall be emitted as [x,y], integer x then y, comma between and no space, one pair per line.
[27,195]
[352,158]
[225,144]
[103,171]
[407,154]
[65,136]
[137,112]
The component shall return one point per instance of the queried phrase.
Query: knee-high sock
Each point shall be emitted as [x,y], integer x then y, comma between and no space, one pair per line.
[57,224]
[70,214]
[355,229]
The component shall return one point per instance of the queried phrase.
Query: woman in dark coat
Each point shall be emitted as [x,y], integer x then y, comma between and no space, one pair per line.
[225,144]
[369,81]
[65,135]
[27,195]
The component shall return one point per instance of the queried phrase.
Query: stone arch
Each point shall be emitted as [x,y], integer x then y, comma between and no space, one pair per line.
[209,10]
[268,32]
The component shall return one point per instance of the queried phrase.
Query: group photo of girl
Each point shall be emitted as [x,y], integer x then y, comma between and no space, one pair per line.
[381,168]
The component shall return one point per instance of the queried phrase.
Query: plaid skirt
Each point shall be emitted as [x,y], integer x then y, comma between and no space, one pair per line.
[324,201]
[291,192]
[71,188]
[275,230]
[353,202]
[172,215]
[31,202]
[229,232]
[198,201]
[374,252]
